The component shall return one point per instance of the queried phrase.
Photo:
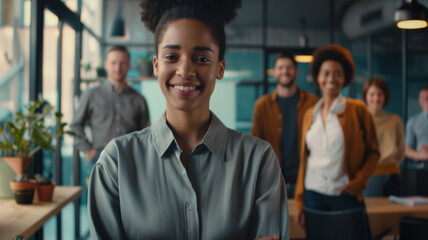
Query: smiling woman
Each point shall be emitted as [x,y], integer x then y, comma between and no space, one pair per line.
[339,149]
[187,67]
[188,176]
[390,135]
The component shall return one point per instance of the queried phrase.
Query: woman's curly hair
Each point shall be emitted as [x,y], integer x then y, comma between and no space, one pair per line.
[157,14]
[333,52]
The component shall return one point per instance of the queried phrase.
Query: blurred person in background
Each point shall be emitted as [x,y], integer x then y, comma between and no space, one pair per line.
[110,109]
[339,149]
[390,135]
[417,134]
[278,117]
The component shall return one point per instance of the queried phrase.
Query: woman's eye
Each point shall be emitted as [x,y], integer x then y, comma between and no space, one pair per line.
[170,57]
[202,59]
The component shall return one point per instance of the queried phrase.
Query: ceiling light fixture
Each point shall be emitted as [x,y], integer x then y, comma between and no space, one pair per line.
[305,55]
[411,15]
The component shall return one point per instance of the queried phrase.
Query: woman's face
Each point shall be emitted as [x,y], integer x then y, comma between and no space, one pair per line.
[331,78]
[187,65]
[375,98]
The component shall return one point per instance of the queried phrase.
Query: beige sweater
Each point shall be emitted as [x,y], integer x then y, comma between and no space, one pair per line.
[390,137]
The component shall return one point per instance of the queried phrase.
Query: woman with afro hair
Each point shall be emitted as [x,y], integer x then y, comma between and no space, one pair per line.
[339,149]
[188,176]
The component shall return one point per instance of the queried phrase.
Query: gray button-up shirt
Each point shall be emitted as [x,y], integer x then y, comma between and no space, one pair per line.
[109,115]
[232,188]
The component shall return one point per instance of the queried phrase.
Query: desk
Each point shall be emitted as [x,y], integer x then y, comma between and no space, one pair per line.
[382,214]
[25,220]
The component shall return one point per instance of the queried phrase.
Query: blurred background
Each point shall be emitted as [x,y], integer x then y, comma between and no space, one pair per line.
[54,50]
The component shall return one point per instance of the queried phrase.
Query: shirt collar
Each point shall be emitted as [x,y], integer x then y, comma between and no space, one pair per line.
[110,88]
[274,95]
[337,107]
[215,138]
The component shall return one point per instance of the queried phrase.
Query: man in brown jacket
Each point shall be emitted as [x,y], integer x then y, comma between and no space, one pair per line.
[278,117]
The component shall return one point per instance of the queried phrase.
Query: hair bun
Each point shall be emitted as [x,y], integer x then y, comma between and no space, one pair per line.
[223,10]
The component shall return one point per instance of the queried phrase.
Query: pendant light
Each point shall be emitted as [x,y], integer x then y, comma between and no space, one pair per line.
[411,15]
[118,30]
[304,55]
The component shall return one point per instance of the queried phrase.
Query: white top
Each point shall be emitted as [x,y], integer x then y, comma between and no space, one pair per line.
[325,142]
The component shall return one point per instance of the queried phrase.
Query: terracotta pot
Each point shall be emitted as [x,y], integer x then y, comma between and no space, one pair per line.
[45,192]
[23,191]
[30,184]
[18,164]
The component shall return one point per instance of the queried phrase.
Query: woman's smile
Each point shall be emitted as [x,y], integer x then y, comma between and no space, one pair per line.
[185,89]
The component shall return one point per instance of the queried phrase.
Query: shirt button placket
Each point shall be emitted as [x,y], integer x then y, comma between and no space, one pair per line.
[192,221]
[117,106]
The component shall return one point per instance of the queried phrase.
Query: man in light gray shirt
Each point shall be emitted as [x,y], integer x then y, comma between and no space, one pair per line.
[111,109]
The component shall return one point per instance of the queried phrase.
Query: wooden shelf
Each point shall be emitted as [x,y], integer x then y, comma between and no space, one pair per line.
[25,220]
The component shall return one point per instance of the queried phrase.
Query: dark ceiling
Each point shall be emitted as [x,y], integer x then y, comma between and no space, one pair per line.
[289,13]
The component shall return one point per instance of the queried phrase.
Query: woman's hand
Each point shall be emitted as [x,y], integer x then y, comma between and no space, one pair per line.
[343,189]
[300,219]
[90,154]
[270,237]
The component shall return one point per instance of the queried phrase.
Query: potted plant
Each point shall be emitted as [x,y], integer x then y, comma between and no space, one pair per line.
[29,132]
[87,67]
[145,64]
[101,72]
[44,188]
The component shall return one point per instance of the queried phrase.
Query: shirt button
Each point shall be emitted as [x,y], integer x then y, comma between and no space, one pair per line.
[117,130]
[191,207]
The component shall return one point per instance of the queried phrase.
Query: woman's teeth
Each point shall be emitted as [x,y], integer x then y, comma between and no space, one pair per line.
[185,88]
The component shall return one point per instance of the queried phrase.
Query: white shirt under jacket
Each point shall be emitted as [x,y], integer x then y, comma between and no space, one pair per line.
[325,173]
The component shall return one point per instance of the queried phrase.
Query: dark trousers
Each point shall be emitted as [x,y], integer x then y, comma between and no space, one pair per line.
[324,202]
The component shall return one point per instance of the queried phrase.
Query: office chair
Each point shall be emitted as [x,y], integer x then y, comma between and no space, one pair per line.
[337,225]
[413,229]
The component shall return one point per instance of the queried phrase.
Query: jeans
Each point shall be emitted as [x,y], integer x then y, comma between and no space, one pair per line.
[375,186]
[383,185]
[322,202]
